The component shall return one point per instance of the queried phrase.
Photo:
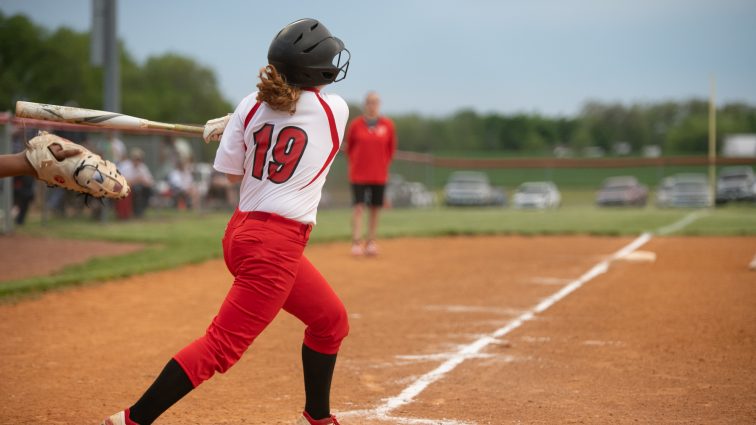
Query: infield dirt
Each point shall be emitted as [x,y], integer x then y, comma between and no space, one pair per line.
[670,341]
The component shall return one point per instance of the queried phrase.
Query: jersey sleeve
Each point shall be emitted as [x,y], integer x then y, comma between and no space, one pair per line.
[229,158]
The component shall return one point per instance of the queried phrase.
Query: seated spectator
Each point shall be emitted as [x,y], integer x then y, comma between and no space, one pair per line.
[182,185]
[140,179]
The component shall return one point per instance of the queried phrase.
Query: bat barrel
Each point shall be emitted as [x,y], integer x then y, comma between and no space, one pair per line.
[95,118]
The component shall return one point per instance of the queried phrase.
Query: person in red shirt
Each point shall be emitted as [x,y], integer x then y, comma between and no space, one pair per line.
[371,143]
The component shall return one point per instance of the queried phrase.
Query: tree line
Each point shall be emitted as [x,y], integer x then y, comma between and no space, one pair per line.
[676,127]
[53,67]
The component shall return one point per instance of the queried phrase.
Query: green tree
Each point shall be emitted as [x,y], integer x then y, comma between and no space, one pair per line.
[41,66]
[44,67]
[173,88]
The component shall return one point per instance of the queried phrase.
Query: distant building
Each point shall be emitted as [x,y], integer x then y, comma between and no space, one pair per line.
[739,145]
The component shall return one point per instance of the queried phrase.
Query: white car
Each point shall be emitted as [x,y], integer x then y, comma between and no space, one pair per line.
[539,195]
[401,193]
[684,191]
[472,188]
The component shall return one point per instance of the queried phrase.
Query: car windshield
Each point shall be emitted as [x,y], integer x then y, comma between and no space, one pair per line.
[467,183]
[622,188]
[533,189]
[733,177]
[468,179]
[620,181]
[690,187]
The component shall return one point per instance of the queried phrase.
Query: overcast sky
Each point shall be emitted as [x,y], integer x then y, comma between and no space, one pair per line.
[436,57]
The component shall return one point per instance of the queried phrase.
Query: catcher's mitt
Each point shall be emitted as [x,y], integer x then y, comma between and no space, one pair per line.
[84,172]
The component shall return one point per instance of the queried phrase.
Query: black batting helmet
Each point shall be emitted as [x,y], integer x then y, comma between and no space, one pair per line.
[308,55]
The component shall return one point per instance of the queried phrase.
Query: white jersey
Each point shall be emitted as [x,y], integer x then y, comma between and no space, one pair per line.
[284,158]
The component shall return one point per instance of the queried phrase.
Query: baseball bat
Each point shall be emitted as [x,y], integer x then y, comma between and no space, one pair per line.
[95,118]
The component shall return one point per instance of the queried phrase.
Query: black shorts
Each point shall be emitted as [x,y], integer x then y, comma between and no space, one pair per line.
[370,194]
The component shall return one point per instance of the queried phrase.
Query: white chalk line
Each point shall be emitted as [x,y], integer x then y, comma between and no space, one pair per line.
[472,350]
[678,225]
[382,412]
[473,309]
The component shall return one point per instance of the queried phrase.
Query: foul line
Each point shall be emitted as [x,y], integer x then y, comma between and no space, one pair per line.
[421,383]
[678,225]
[472,350]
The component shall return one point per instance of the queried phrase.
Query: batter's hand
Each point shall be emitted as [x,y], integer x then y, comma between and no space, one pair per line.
[214,129]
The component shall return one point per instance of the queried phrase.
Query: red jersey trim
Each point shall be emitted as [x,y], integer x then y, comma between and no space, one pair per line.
[334,135]
[251,114]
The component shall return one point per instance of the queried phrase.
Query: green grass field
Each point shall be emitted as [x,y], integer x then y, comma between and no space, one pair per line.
[174,239]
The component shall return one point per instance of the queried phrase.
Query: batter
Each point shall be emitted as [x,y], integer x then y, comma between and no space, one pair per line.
[279,143]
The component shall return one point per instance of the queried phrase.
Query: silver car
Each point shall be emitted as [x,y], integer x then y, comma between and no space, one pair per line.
[472,188]
[539,195]
[684,191]
[736,184]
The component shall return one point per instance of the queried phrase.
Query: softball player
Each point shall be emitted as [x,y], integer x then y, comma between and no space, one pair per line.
[280,143]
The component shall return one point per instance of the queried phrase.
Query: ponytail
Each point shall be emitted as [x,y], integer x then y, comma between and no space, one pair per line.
[274,91]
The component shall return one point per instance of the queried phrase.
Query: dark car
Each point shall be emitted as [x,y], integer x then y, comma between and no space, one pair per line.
[736,184]
[622,191]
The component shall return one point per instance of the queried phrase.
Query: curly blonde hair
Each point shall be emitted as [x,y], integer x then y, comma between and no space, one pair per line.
[274,90]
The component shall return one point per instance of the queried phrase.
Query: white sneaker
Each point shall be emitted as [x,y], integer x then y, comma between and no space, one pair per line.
[119,418]
[357,250]
[371,248]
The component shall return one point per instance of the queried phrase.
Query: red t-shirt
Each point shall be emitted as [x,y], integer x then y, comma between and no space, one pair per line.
[370,150]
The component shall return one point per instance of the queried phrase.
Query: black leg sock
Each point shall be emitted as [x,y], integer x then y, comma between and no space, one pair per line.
[169,387]
[318,371]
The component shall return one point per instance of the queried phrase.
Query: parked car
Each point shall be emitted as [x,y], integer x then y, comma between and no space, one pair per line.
[736,184]
[401,193]
[684,190]
[472,188]
[622,191]
[538,195]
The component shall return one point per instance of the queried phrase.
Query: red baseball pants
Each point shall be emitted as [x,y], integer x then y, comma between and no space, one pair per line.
[264,253]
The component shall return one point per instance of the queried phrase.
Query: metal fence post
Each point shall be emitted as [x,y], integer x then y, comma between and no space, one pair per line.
[7,183]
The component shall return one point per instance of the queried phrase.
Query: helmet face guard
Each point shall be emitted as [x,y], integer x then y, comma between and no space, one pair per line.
[341,62]
[308,55]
